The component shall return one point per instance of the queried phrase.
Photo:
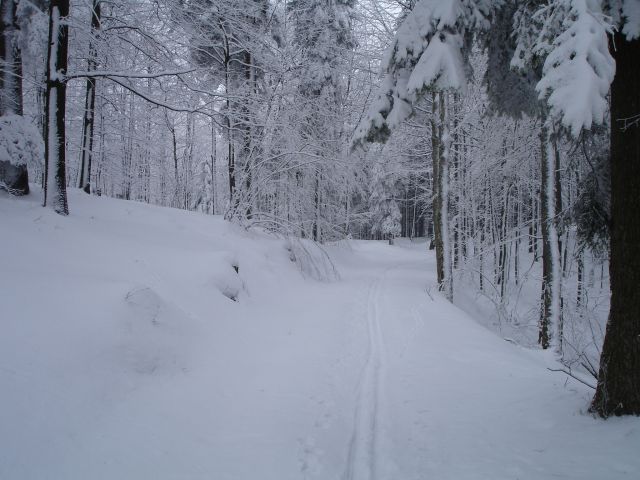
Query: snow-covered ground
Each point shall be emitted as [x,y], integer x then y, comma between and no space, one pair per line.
[122,356]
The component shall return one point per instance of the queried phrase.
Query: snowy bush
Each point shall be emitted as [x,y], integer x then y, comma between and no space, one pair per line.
[20,141]
[311,259]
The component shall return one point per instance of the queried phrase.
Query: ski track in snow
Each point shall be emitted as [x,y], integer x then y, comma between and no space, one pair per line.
[365,439]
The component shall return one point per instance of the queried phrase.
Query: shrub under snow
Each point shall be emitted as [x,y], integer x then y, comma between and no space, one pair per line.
[20,141]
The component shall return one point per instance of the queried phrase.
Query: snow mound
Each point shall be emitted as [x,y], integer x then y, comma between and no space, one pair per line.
[151,333]
[227,278]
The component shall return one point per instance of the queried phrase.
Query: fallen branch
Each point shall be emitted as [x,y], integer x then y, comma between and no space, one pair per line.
[428,290]
[572,376]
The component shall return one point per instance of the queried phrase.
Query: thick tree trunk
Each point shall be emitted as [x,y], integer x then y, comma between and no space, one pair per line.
[437,203]
[89,107]
[176,173]
[549,329]
[214,175]
[127,157]
[445,158]
[316,208]
[247,134]
[55,193]
[14,177]
[618,390]
[441,149]
[231,161]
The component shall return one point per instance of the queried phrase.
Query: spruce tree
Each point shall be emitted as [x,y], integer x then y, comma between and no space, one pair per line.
[323,33]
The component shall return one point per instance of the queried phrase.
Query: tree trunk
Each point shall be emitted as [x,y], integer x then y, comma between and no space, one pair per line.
[89,106]
[437,198]
[247,134]
[231,162]
[55,192]
[445,158]
[441,148]
[618,390]
[316,208]
[176,174]
[214,175]
[549,330]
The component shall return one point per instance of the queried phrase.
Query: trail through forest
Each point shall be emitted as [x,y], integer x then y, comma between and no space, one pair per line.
[156,359]
[363,449]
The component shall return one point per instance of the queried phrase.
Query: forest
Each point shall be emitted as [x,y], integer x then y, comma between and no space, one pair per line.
[499,137]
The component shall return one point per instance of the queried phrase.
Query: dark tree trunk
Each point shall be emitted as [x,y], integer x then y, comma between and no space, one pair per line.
[444,265]
[14,177]
[214,175]
[55,193]
[618,390]
[89,107]
[316,201]
[247,133]
[231,161]
[437,184]
[176,174]
[549,328]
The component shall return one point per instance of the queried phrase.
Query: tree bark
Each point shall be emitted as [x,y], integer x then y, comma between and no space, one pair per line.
[55,193]
[89,107]
[441,143]
[437,204]
[214,155]
[549,329]
[618,389]
[445,158]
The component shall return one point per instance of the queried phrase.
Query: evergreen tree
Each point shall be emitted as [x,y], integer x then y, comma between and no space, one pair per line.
[322,31]
[383,206]
[229,37]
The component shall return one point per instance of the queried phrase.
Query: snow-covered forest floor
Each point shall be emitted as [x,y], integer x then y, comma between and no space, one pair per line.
[123,356]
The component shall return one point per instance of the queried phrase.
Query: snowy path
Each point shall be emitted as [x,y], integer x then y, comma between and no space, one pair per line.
[444,398]
[135,363]
[364,445]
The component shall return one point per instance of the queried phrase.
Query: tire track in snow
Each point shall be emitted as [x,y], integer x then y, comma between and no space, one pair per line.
[363,447]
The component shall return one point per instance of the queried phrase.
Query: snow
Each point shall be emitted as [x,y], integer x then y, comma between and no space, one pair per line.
[121,357]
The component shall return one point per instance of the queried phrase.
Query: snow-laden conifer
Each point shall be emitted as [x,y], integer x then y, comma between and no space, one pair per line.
[427,53]
[578,68]
[384,208]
